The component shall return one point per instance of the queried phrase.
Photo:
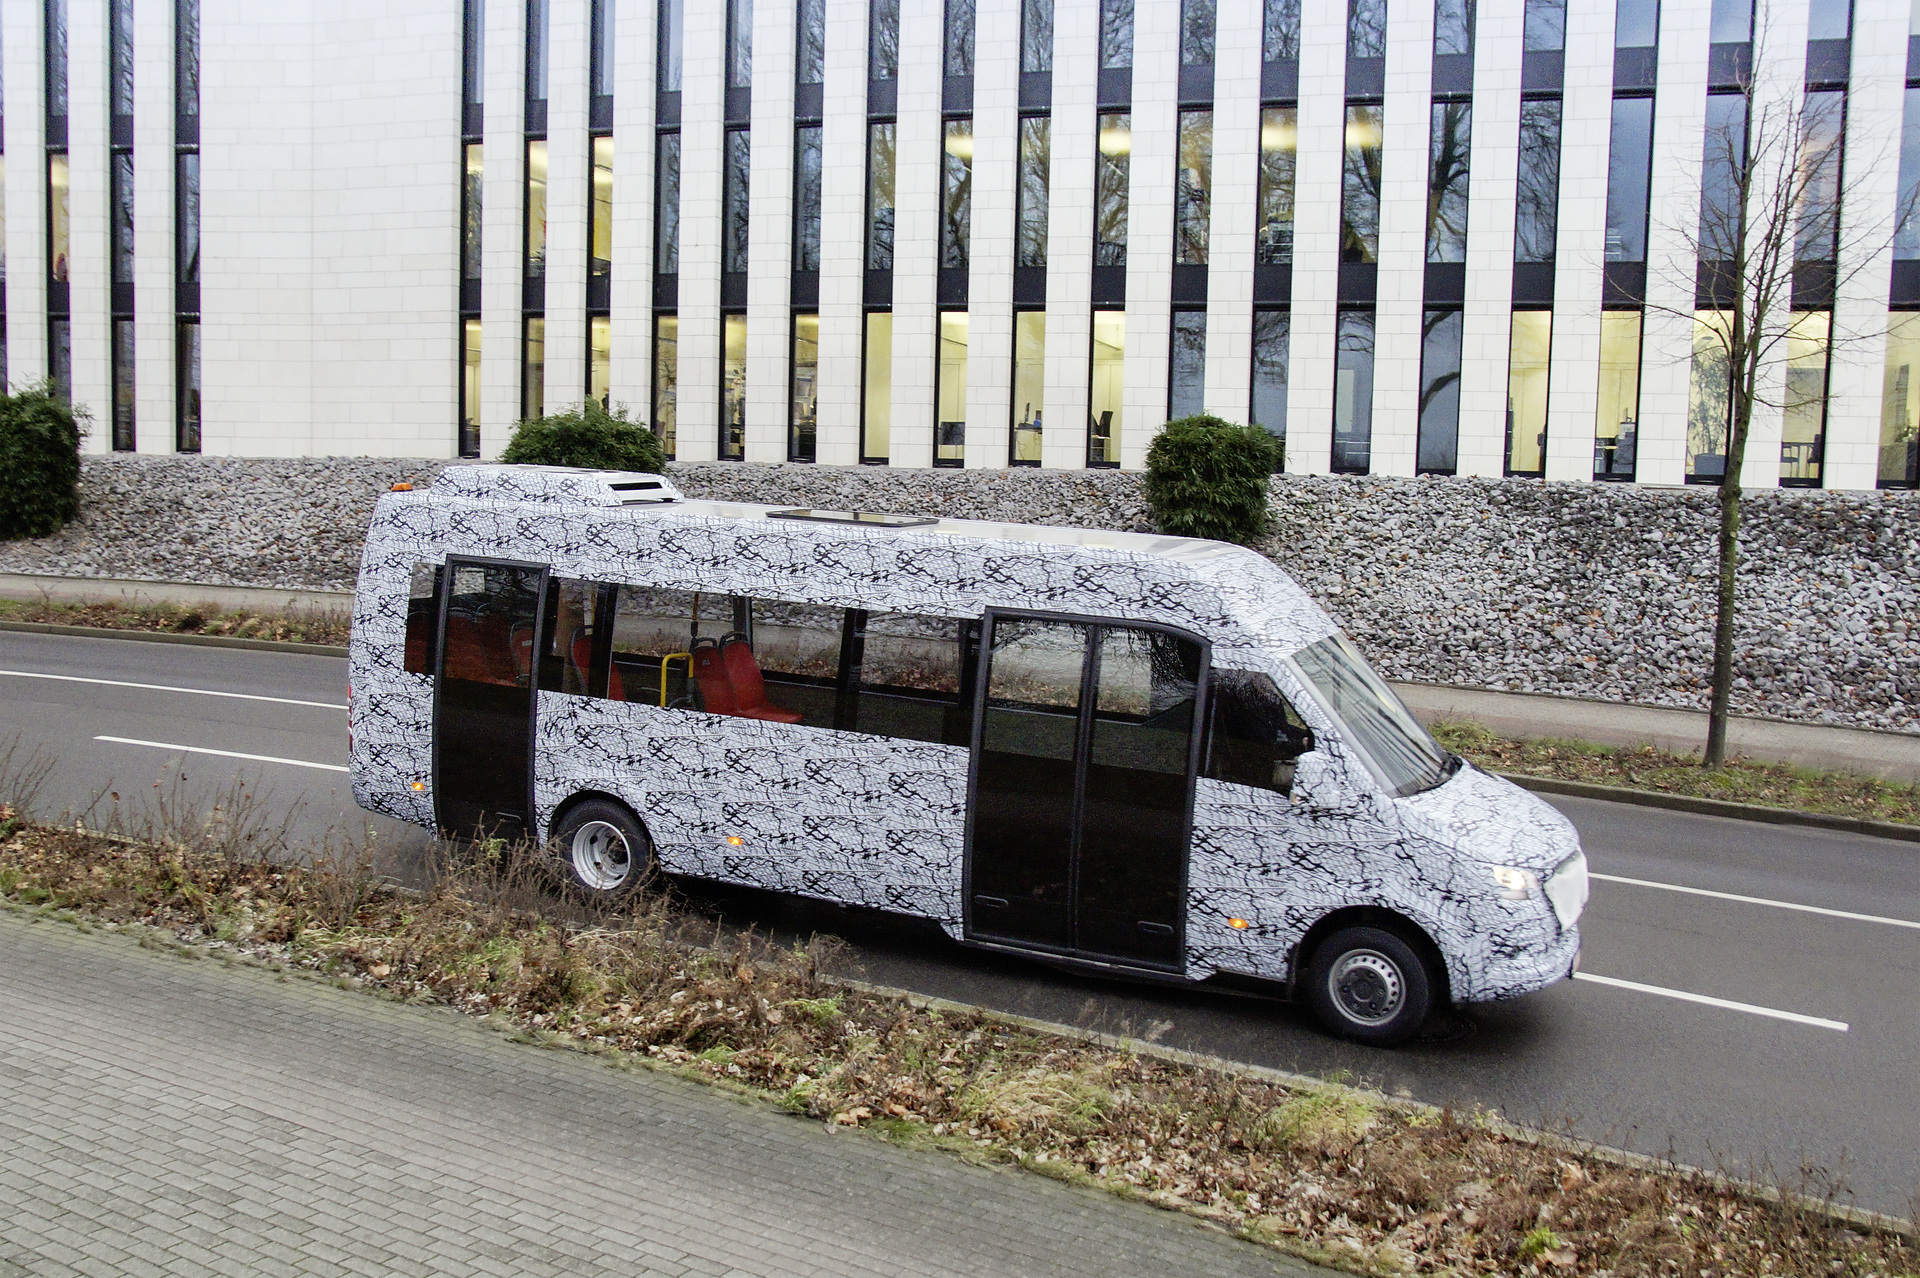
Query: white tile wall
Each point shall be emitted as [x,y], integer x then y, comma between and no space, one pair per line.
[331,167]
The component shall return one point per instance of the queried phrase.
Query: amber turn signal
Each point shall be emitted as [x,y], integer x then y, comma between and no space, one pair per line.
[419,785]
[1236,922]
[401,488]
[734,840]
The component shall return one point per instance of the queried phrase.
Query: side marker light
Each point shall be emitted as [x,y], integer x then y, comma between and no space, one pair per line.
[401,488]
[419,785]
[1236,923]
[735,841]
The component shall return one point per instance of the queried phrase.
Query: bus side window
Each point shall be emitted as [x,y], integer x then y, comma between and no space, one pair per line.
[649,624]
[423,618]
[567,654]
[909,679]
[797,648]
[1254,736]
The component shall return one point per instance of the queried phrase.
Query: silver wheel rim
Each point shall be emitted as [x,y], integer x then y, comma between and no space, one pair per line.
[601,857]
[1367,987]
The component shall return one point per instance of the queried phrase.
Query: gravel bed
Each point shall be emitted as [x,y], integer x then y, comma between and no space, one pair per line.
[1586,590]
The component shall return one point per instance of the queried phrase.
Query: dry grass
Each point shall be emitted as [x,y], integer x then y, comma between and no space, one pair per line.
[1775,785]
[1334,1173]
[289,626]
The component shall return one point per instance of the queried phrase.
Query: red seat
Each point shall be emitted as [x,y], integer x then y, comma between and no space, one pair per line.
[583,662]
[749,689]
[716,693]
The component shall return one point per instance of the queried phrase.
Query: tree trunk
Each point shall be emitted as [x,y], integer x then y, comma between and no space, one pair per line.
[1715,756]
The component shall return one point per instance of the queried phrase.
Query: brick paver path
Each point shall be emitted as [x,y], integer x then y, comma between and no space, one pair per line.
[163,1115]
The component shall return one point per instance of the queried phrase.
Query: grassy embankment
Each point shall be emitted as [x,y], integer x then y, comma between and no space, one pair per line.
[1326,1171]
[1777,785]
[313,626]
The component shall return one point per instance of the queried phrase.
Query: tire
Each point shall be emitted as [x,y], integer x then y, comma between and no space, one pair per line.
[603,852]
[1369,985]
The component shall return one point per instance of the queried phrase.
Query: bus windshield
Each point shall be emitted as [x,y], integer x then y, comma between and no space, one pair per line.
[1402,753]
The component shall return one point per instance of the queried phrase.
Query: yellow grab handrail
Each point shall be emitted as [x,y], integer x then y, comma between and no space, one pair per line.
[664,661]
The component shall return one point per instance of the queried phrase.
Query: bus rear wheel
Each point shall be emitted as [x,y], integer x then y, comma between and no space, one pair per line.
[1369,985]
[603,851]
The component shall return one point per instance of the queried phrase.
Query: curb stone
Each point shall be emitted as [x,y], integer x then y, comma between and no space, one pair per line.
[162,636]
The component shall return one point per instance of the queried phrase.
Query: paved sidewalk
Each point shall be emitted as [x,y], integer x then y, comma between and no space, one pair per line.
[167,1116]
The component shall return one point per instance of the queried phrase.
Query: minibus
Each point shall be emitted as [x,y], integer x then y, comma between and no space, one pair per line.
[1145,756]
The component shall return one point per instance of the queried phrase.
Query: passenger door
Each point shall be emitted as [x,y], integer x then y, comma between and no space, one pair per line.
[1084,754]
[484,697]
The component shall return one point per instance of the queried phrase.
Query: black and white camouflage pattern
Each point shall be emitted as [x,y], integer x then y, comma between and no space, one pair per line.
[880,822]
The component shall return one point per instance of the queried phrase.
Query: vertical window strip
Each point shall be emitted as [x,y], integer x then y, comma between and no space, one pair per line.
[1116,34]
[125,438]
[1115,148]
[600,361]
[950,391]
[1453,28]
[533,367]
[876,391]
[1360,185]
[1197,22]
[1616,427]
[600,210]
[960,38]
[186,70]
[1449,154]
[672,25]
[600,52]
[739,44]
[883,40]
[1636,24]
[55,49]
[803,414]
[1366,29]
[737,182]
[1822,130]
[956,204]
[666,245]
[1709,398]
[1193,188]
[880,194]
[1353,392]
[1537,210]
[1804,436]
[733,386]
[1629,179]
[1900,403]
[536,78]
[186,391]
[1036,36]
[1104,398]
[120,193]
[1187,365]
[810,52]
[1272,338]
[535,264]
[473,65]
[1438,449]
[666,381]
[1279,146]
[59,225]
[1029,387]
[1034,190]
[1280,31]
[120,68]
[1528,361]
[469,387]
[806,197]
[473,156]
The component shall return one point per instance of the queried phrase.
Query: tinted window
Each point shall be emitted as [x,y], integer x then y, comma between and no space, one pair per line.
[1254,734]
[423,618]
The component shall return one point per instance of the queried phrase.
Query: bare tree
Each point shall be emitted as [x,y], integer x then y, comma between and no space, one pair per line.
[1770,236]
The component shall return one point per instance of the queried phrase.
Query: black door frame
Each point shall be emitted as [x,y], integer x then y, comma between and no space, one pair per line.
[1082,747]
[451,563]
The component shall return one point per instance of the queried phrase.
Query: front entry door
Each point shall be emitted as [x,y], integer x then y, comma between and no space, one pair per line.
[484,698]
[1084,752]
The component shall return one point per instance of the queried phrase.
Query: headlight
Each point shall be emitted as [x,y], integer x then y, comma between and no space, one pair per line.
[1515,884]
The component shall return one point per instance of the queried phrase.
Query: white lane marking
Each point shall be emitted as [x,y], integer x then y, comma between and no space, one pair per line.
[165,687]
[1756,900]
[1729,1004]
[224,754]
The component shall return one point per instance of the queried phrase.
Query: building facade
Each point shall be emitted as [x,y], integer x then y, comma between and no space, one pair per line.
[1407,236]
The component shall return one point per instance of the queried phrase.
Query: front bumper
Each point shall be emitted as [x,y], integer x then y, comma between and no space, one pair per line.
[1510,976]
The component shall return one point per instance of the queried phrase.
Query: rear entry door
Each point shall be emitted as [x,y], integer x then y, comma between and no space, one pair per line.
[484,697]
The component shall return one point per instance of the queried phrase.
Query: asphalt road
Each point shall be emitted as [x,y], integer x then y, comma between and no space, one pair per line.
[1773,1032]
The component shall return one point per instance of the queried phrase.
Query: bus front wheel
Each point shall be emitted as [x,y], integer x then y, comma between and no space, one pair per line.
[1369,985]
[604,853]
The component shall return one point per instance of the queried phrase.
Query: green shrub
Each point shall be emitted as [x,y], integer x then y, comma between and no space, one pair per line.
[586,435]
[39,462]
[1208,478]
